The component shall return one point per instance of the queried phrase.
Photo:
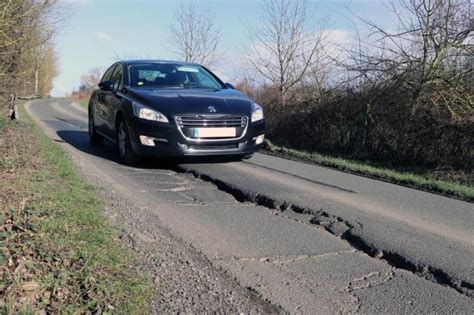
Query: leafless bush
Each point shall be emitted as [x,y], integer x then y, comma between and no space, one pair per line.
[430,54]
[401,98]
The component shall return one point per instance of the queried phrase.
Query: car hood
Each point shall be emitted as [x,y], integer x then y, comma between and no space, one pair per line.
[176,102]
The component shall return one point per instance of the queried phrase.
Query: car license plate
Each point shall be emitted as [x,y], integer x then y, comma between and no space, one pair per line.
[214,132]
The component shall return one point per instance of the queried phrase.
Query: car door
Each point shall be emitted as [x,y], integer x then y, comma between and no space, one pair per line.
[100,116]
[113,100]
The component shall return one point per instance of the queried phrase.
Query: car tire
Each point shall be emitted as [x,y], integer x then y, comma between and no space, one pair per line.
[246,156]
[94,137]
[126,153]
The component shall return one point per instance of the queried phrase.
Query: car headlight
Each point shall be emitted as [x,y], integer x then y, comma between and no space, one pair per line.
[147,113]
[257,112]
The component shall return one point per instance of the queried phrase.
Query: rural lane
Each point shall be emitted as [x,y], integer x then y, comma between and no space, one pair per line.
[305,238]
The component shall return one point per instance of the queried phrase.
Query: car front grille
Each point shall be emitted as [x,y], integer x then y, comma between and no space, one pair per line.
[198,121]
[188,123]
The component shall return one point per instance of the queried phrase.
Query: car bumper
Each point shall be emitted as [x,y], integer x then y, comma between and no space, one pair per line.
[168,141]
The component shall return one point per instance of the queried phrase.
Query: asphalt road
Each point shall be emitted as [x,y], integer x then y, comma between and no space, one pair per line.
[305,238]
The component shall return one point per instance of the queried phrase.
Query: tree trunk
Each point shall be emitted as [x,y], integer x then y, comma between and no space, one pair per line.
[36,79]
[13,113]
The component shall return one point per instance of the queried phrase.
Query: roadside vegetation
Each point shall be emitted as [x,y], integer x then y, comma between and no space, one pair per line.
[400,99]
[28,59]
[57,253]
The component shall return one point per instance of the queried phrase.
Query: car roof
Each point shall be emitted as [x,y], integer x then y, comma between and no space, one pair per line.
[139,61]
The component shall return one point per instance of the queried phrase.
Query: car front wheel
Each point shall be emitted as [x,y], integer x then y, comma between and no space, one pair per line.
[126,153]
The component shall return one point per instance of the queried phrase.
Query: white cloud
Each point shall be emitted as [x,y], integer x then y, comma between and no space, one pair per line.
[103,36]
[339,37]
[338,41]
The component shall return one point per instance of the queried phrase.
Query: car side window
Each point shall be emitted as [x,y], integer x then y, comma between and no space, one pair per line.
[117,77]
[108,74]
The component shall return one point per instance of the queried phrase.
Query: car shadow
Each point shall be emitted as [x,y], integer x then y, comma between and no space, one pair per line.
[108,151]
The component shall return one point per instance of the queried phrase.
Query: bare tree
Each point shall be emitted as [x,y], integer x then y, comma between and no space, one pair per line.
[90,79]
[284,48]
[194,35]
[430,54]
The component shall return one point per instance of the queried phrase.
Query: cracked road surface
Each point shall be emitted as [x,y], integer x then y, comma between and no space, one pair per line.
[304,238]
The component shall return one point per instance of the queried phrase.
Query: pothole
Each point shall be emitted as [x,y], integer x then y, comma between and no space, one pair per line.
[341,228]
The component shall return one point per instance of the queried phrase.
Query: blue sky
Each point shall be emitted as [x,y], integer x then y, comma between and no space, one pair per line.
[98,31]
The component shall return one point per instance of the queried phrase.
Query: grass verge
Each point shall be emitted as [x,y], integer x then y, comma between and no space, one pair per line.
[84,103]
[451,189]
[57,253]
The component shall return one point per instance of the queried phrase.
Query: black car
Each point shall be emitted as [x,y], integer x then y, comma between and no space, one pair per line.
[167,108]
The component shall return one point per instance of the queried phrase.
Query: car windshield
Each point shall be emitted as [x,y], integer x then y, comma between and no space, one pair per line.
[161,75]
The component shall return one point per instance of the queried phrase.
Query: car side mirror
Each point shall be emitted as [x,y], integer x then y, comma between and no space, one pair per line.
[230,86]
[106,85]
